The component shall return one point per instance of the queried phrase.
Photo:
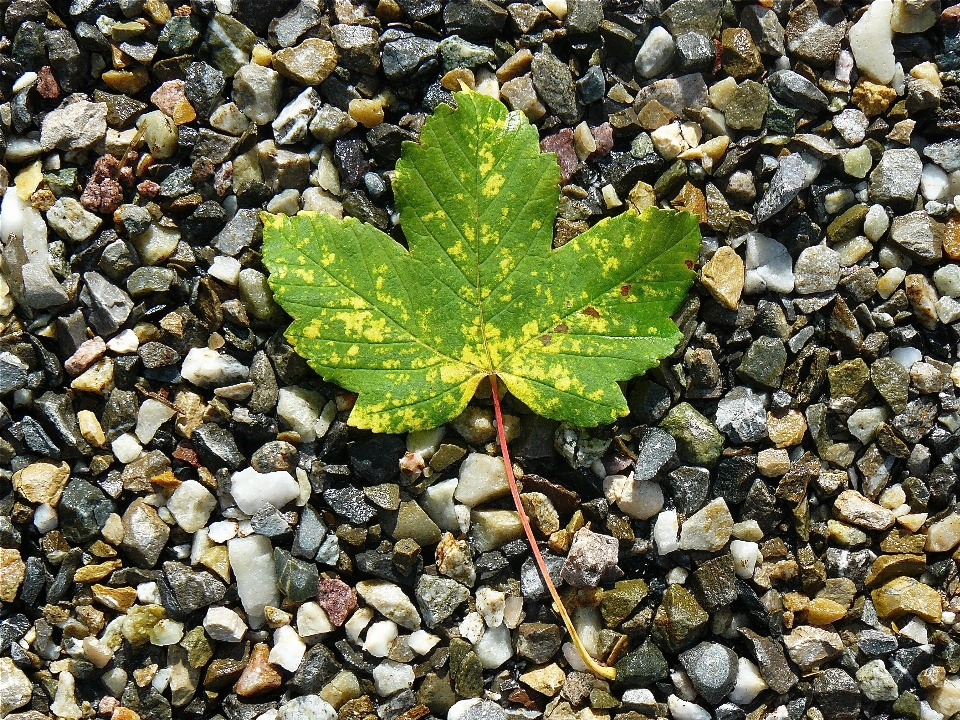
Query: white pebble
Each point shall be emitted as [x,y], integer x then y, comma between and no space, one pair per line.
[425,442]
[665,532]
[491,604]
[707,529]
[208,368]
[150,417]
[300,409]
[288,648]
[124,343]
[494,648]
[471,627]
[313,621]
[871,40]
[357,622]
[251,559]
[45,518]
[749,683]
[225,269]
[391,677]
[126,448]
[863,423]
[557,7]
[222,531]
[422,642]
[639,499]
[191,505]
[252,490]
[459,708]
[64,704]
[769,266]
[746,555]
[437,502]
[224,625]
[875,222]
[380,636]
[656,53]
[683,710]
[934,183]
[166,632]
[906,356]
[947,280]
[148,593]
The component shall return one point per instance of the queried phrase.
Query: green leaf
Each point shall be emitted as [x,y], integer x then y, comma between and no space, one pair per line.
[480,290]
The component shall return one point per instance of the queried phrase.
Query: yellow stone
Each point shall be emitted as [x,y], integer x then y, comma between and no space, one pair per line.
[183,112]
[905,595]
[28,180]
[93,573]
[722,276]
[98,378]
[872,98]
[12,572]
[786,430]
[641,197]
[366,112]
[158,11]
[128,82]
[822,611]
[217,560]
[119,599]
[456,79]
[951,238]
[262,55]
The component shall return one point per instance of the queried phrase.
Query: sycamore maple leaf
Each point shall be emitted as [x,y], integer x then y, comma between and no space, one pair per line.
[480,292]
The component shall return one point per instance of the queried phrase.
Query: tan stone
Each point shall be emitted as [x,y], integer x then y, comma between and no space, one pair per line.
[12,572]
[722,275]
[773,463]
[546,680]
[786,430]
[887,567]
[259,675]
[42,482]
[951,238]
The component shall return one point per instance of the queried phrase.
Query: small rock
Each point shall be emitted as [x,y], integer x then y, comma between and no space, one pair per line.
[592,559]
[712,668]
[708,529]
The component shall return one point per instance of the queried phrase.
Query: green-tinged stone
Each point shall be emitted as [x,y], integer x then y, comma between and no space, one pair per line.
[468,679]
[642,667]
[413,523]
[228,43]
[435,692]
[445,456]
[198,647]
[851,378]
[892,381]
[63,182]
[764,361]
[386,496]
[600,699]
[748,106]
[848,224]
[618,603]
[782,119]
[698,440]
[298,579]
[670,182]
[126,30]
[907,706]
[679,621]
[139,621]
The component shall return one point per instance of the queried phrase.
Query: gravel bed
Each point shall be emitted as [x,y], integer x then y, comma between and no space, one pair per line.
[190,529]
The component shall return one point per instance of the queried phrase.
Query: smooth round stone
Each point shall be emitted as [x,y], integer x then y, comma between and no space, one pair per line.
[656,53]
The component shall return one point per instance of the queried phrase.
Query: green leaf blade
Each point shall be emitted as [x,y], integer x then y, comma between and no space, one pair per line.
[480,290]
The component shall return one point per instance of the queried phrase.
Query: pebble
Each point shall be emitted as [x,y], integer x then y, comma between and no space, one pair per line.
[76,126]
[191,505]
[817,270]
[871,42]
[390,601]
[656,54]
[723,276]
[251,559]
[224,625]
[252,490]
[896,178]
[768,266]
[742,417]
[707,529]
[712,669]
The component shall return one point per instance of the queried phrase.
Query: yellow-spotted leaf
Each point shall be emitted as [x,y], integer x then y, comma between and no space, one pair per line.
[480,292]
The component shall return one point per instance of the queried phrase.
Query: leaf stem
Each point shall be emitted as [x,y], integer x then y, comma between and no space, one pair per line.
[595,667]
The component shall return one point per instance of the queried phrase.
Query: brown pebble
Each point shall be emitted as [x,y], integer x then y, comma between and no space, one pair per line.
[259,675]
[338,599]
[47,85]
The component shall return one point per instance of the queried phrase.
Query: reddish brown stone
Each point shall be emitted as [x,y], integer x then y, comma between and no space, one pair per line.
[338,599]
[47,86]
[561,143]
